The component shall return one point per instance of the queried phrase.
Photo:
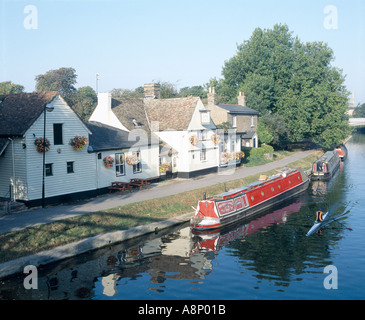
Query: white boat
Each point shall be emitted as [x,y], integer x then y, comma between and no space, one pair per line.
[318,225]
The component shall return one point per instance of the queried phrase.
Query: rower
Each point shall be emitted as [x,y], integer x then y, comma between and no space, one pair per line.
[319,216]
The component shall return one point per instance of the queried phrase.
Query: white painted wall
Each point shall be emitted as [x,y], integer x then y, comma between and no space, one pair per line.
[61,182]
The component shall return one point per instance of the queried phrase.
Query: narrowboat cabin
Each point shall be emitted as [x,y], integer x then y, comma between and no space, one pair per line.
[325,167]
[248,200]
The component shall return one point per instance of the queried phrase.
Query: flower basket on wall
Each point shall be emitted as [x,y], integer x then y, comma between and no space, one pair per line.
[215,138]
[108,161]
[194,140]
[42,144]
[78,142]
[131,159]
[239,155]
[164,166]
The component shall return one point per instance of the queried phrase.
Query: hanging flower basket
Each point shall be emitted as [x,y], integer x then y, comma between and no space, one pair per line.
[239,155]
[164,166]
[108,161]
[78,142]
[194,140]
[215,138]
[42,144]
[131,159]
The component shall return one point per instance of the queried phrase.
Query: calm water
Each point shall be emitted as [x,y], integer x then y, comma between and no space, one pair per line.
[265,258]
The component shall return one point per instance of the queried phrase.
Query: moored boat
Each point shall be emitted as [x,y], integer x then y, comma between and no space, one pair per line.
[325,167]
[248,200]
[342,152]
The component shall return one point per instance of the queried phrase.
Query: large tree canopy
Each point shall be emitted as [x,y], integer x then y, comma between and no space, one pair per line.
[62,80]
[291,82]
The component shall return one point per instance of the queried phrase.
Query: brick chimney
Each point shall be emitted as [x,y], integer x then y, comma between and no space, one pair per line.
[211,96]
[241,99]
[152,90]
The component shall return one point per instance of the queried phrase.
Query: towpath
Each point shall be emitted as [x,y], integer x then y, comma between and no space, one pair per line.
[21,220]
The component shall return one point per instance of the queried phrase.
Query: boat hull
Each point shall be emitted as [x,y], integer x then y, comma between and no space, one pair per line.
[205,222]
[317,226]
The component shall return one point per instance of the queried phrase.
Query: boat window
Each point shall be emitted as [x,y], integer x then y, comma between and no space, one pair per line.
[289,181]
[279,186]
[272,189]
[320,166]
[252,198]
[262,193]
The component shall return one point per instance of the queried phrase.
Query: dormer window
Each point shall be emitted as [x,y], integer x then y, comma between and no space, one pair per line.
[204,116]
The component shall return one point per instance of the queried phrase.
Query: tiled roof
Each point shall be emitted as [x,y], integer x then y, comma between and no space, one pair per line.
[128,109]
[172,114]
[19,111]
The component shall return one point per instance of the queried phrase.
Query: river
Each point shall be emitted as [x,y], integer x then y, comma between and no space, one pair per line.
[265,258]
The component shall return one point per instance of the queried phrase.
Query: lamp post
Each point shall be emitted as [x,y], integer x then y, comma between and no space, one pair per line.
[48,108]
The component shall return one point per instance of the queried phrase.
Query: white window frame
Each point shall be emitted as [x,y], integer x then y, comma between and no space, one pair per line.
[120,167]
[137,168]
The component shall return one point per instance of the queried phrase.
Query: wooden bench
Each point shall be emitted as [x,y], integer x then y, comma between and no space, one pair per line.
[120,186]
[140,183]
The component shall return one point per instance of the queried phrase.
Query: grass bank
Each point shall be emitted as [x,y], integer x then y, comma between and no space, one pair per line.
[47,236]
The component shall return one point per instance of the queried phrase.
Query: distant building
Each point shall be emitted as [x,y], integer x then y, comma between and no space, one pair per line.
[241,118]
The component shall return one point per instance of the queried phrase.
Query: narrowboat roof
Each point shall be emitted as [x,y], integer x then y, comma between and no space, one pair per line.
[251,185]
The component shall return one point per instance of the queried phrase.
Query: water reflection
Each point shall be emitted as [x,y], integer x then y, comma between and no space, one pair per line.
[270,251]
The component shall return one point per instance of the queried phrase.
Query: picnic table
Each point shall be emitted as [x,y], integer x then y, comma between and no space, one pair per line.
[139,183]
[120,186]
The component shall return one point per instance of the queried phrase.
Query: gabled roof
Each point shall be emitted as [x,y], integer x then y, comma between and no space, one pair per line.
[131,113]
[237,109]
[19,111]
[172,114]
[106,137]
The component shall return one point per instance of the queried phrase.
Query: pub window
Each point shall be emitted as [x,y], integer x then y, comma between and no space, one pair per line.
[203,154]
[49,169]
[119,164]
[70,167]
[137,168]
[57,133]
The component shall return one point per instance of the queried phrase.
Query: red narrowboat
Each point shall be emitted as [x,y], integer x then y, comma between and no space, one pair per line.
[243,202]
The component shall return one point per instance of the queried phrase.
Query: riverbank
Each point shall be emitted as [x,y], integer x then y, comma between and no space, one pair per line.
[46,243]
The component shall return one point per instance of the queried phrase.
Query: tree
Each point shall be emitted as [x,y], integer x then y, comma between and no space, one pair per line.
[195,91]
[292,81]
[7,87]
[84,102]
[61,80]
[359,111]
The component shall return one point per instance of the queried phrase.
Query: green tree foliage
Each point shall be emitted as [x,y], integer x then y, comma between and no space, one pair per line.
[84,102]
[292,82]
[195,91]
[359,111]
[61,80]
[7,87]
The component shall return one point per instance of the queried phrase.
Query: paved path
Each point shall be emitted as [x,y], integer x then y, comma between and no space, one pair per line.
[21,220]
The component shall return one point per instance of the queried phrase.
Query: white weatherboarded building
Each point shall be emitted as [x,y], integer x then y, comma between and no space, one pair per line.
[68,172]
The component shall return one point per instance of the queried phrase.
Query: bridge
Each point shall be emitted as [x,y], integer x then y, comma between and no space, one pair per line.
[355,122]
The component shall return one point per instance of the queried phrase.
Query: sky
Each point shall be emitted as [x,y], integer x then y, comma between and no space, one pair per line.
[133,42]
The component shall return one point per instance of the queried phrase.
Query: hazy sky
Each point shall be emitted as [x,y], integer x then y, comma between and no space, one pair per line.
[132,42]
